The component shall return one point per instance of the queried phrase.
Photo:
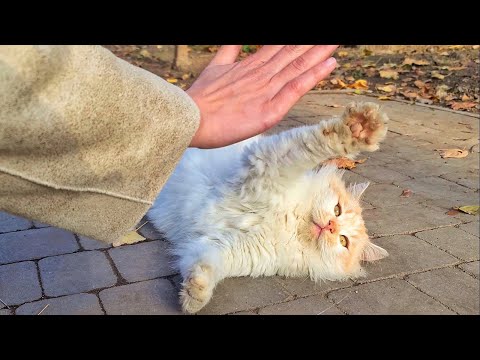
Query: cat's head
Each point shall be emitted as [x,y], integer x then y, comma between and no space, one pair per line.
[333,227]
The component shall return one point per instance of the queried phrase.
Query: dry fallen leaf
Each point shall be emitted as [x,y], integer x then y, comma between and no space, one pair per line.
[441,92]
[345,163]
[437,75]
[389,74]
[406,193]
[469,209]
[452,212]
[462,105]
[410,61]
[384,98]
[350,78]
[409,94]
[419,84]
[445,53]
[452,153]
[342,53]
[465,97]
[456,47]
[131,237]
[359,84]
[338,82]
[475,47]
[145,53]
[185,76]
[172,80]
[387,88]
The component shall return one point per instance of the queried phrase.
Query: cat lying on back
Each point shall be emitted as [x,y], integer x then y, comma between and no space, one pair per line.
[264,207]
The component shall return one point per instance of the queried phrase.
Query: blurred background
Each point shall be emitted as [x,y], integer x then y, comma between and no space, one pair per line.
[442,75]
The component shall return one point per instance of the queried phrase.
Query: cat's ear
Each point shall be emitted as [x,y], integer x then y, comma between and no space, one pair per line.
[358,189]
[373,252]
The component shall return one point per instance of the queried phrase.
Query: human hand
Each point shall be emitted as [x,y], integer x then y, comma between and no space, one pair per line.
[238,100]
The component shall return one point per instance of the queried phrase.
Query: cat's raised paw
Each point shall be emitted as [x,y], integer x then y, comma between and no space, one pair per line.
[197,289]
[367,124]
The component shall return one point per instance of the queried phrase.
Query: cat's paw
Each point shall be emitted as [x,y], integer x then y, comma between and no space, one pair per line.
[368,125]
[197,289]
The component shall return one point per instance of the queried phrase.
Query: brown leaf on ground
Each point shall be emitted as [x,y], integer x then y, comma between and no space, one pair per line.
[410,61]
[452,212]
[342,53]
[469,209]
[345,163]
[359,84]
[462,105]
[389,74]
[419,84]
[465,97]
[338,82]
[452,153]
[437,75]
[172,80]
[384,98]
[387,88]
[406,193]
[441,92]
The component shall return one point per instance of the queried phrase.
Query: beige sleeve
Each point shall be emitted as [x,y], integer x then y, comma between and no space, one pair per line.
[86,140]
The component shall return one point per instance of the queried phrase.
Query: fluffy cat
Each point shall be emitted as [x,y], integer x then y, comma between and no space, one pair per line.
[265,207]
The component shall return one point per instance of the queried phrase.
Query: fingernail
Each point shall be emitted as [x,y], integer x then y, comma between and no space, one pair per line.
[330,62]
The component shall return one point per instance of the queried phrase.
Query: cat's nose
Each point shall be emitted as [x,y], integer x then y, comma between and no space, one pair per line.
[332,226]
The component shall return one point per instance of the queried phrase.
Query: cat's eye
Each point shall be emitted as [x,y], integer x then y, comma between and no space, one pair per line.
[337,210]
[344,241]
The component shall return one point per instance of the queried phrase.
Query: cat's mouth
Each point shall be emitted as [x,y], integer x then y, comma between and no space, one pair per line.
[319,229]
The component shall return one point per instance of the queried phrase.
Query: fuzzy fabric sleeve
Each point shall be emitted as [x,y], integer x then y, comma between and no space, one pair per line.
[86,140]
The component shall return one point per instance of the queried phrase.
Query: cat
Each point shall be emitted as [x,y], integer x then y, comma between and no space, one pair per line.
[266,206]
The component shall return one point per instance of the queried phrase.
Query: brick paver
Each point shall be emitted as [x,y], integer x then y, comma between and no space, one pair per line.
[19,283]
[156,297]
[75,273]
[433,266]
[143,261]
[10,222]
[454,241]
[35,244]
[79,304]
[452,287]
[391,296]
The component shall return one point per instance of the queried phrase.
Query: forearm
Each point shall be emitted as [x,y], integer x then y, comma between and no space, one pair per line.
[81,124]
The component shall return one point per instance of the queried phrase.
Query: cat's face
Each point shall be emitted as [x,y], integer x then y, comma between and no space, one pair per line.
[333,225]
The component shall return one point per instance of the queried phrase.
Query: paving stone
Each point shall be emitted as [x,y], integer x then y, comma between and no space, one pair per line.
[142,261]
[19,283]
[350,178]
[405,219]
[243,313]
[387,297]
[312,305]
[406,254]
[455,241]
[6,312]
[40,225]
[465,178]
[153,297]
[302,287]
[385,195]
[92,244]
[79,304]
[471,228]
[441,189]
[35,244]
[148,231]
[10,222]
[244,293]
[76,273]
[380,174]
[424,168]
[472,268]
[450,286]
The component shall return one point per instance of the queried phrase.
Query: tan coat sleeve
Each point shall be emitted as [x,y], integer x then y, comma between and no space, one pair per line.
[86,140]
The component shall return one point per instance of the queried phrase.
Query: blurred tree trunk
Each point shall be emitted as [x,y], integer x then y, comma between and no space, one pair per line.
[182,59]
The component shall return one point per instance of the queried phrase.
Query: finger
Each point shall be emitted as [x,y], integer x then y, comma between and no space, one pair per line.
[266,52]
[296,88]
[227,54]
[285,56]
[312,57]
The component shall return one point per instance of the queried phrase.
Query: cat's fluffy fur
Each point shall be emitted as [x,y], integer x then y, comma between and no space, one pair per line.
[257,208]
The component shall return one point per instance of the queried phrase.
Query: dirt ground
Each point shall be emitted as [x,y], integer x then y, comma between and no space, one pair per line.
[443,75]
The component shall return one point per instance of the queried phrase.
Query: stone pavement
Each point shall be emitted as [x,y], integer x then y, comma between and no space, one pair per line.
[433,266]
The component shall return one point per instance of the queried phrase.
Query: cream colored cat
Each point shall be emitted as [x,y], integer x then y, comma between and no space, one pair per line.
[262,207]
